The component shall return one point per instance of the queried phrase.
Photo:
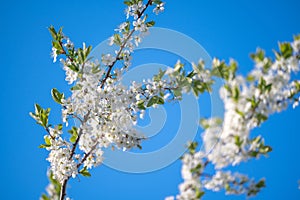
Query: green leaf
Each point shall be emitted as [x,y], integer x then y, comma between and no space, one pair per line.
[52,32]
[250,78]
[195,91]
[198,86]
[155,100]
[85,172]
[150,23]
[57,46]
[178,66]
[238,141]
[117,39]
[199,193]
[196,169]
[57,96]
[59,127]
[253,154]
[38,108]
[73,138]
[261,117]
[286,49]
[261,184]
[45,197]
[268,87]
[191,74]
[160,101]
[240,113]
[159,76]
[76,87]
[257,139]
[204,124]
[128,3]
[73,67]
[81,56]
[236,94]
[47,140]
[297,37]
[253,102]
[156,1]
[96,69]
[265,149]
[152,101]
[41,115]
[74,134]
[227,187]
[221,70]
[177,92]
[263,86]
[88,51]
[140,105]
[127,27]
[258,56]
[43,146]
[192,147]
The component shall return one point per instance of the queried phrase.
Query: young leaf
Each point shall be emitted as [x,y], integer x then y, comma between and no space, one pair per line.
[286,49]
[85,172]
[57,96]
[52,32]
[150,24]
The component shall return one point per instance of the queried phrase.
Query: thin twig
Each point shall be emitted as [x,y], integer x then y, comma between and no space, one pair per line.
[122,47]
[79,134]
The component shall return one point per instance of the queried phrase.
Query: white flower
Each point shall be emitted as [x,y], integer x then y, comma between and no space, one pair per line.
[108,59]
[159,8]
[134,10]
[295,104]
[140,25]
[54,54]
[122,27]
[111,41]
[71,76]
[138,97]
[69,44]
[61,166]
[137,40]
[296,46]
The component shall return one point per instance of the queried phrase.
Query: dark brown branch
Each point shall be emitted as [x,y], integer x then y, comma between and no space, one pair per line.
[63,189]
[87,155]
[64,52]
[79,134]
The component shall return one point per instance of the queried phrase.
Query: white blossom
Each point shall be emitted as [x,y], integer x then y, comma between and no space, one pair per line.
[54,54]
[108,59]
[159,8]
[140,25]
[61,166]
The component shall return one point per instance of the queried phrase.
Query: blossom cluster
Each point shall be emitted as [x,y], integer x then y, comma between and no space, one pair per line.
[248,102]
[105,111]
[192,167]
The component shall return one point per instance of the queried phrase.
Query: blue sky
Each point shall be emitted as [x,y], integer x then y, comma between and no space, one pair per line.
[226,29]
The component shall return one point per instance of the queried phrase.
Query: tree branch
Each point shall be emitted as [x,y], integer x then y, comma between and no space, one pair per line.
[122,47]
[63,189]
[65,182]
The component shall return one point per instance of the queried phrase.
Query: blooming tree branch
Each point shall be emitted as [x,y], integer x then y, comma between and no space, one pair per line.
[107,111]
[248,102]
